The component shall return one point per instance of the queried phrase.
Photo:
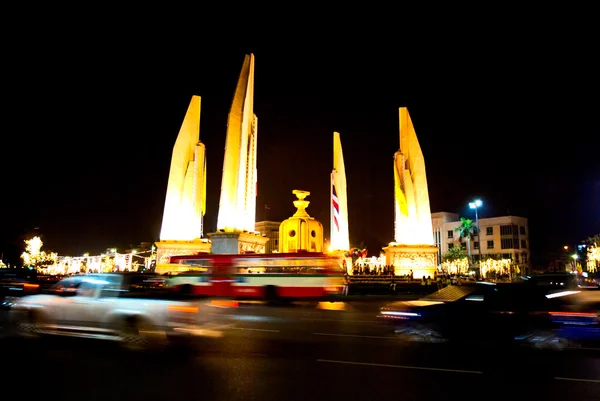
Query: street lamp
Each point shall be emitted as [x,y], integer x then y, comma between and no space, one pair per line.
[476,204]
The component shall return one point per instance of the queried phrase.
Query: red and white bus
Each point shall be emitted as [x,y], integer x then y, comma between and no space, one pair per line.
[260,276]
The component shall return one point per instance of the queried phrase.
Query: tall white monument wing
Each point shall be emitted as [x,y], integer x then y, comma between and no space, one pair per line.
[340,237]
[186,188]
[412,211]
[237,207]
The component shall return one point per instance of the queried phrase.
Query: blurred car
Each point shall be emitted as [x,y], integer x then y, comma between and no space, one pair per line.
[136,309]
[553,281]
[16,283]
[48,280]
[575,317]
[498,313]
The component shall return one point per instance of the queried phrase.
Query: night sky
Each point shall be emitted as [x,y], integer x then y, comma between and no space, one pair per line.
[88,138]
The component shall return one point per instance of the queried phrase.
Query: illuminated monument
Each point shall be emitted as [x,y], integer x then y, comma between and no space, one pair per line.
[185,203]
[237,207]
[413,248]
[340,237]
[301,232]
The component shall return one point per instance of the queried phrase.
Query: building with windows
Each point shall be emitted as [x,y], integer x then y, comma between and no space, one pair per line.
[506,237]
[269,229]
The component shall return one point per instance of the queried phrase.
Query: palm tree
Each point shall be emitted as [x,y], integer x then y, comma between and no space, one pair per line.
[466,230]
[454,254]
[594,240]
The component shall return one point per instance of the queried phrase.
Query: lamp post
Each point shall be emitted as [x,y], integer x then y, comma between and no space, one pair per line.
[476,204]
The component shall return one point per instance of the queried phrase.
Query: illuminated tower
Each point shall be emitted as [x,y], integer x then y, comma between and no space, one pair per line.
[412,212]
[413,250]
[185,201]
[237,208]
[340,237]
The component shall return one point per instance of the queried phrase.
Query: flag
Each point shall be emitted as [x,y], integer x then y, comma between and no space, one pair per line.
[336,207]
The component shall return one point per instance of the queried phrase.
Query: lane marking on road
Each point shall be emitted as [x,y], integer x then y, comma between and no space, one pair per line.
[353,335]
[250,329]
[574,379]
[382,365]
[340,320]
[585,349]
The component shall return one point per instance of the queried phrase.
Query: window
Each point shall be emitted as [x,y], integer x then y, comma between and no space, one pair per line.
[66,284]
[489,230]
[88,289]
[522,230]
[475,244]
[490,245]
[292,233]
[523,244]
[475,231]
[450,246]
[450,234]
[463,246]
[509,237]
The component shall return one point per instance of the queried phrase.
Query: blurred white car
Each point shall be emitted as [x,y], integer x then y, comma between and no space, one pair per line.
[136,309]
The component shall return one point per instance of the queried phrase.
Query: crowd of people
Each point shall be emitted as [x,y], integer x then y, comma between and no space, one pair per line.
[440,279]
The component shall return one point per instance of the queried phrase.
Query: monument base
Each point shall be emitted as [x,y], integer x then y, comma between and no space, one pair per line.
[421,259]
[165,249]
[237,242]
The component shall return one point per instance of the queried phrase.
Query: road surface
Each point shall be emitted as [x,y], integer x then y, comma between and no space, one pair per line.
[303,353]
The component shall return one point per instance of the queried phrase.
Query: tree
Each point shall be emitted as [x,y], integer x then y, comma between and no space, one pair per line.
[454,254]
[466,230]
[455,261]
[594,240]
[35,257]
[593,253]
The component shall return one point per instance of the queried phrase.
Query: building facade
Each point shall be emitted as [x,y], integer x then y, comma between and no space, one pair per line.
[506,237]
[269,229]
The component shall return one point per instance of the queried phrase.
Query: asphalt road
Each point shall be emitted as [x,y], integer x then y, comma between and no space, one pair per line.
[297,353]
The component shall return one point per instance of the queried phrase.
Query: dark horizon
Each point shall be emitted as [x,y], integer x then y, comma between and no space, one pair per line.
[97,173]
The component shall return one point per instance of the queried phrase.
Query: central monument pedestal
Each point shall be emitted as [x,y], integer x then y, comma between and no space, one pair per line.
[421,259]
[237,242]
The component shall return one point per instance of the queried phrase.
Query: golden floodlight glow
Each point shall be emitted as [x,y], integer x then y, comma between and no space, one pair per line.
[34,246]
[412,211]
[340,236]
[492,265]
[457,266]
[593,258]
[186,189]
[237,208]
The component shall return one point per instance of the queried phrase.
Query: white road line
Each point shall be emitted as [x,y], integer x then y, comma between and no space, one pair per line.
[585,349]
[573,379]
[248,329]
[353,335]
[339,320]
[475,372]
